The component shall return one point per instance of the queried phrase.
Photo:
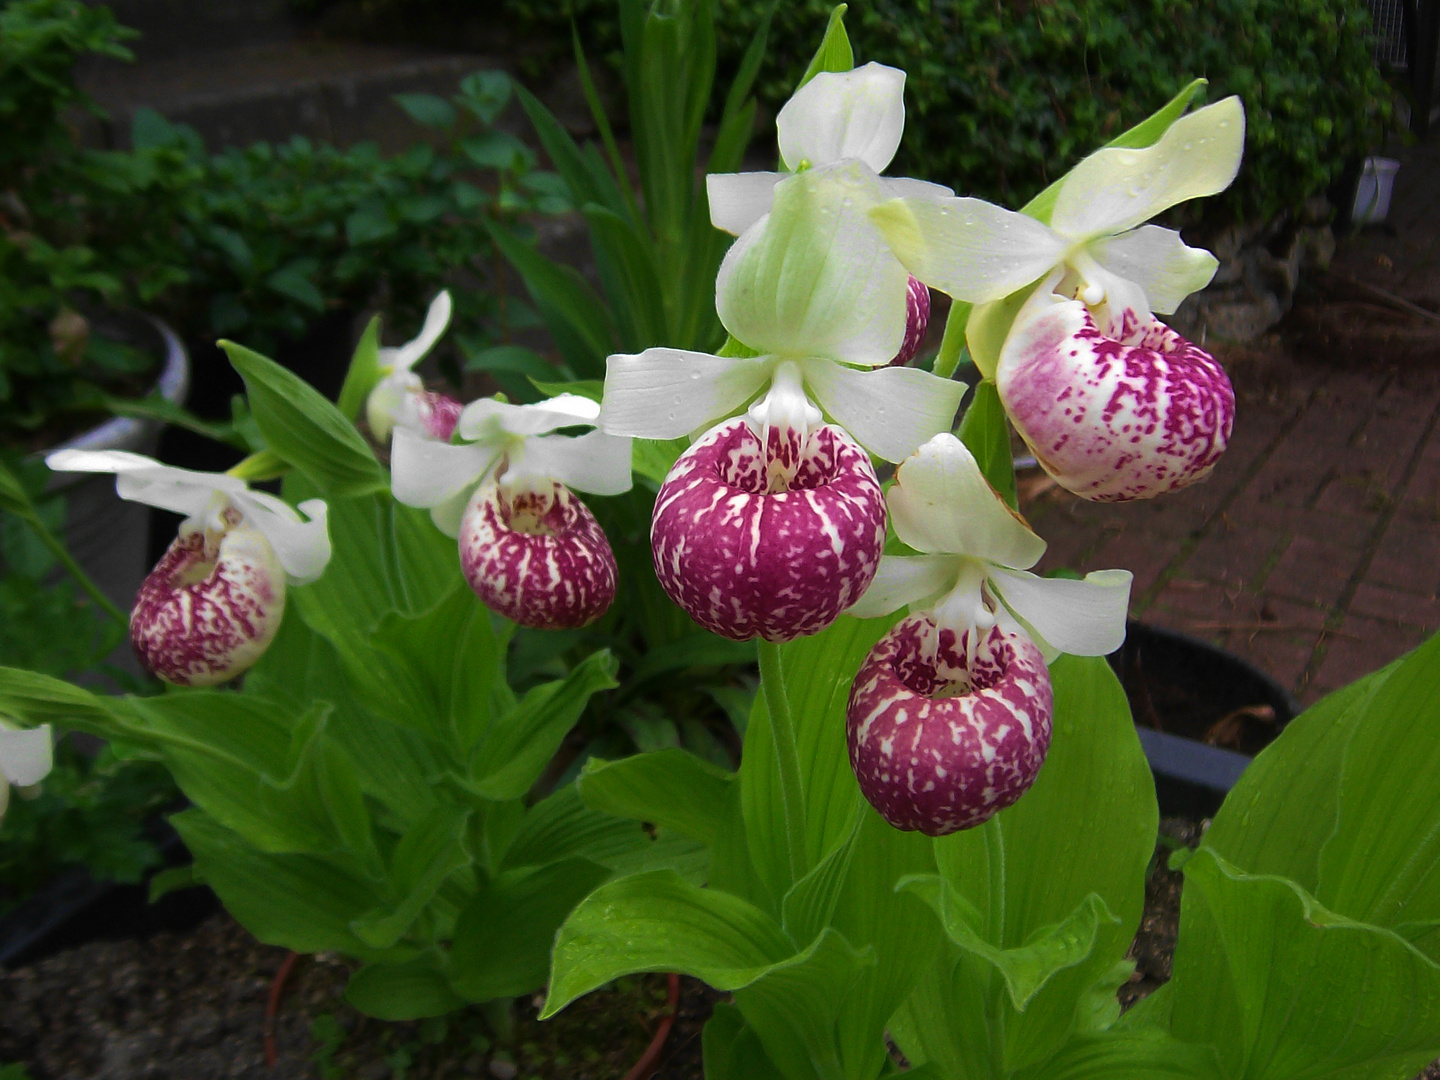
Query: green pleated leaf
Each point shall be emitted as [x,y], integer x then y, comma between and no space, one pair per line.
[1144,1054]
[657,921]
[519,745]
[732,1050]
[561,826]
[305,429]
[411,990]
[363,372]
[427,854]
[986,433]
[502,941]
[672,788]
[34,699]
[834,53]
[1284,987]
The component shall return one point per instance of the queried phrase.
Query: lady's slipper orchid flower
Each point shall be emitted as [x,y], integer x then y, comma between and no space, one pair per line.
[949,717]
[528,547]
[834,118]
[400,399]
[1133,409]
[213,603]
[26,755]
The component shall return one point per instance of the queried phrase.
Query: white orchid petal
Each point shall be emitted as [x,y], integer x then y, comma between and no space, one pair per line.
[426,473]
[903,580]
[387,401]
[839,115]
[437,318]
[488,420]
[594,462]
[941,502]
[144,480]
[890,411]
[813,278]
[1083,618]
[906,187]
[738,200]
[666,393]
[302,544]
[26,754]
[967,248]
[1117,303]
[1115,189]
[1158,261]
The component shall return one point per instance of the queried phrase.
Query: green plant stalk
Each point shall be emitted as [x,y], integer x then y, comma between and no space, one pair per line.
[73,569]
[953,343]
[787,753]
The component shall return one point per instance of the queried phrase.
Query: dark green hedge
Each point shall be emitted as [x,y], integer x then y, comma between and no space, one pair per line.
[1004,96]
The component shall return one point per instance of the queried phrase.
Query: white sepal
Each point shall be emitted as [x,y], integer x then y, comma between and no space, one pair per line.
[738,200]
[595,462]
[1158,261]
[890,411]
[903,580]
[488,420]
[666,393]
[144,480]
[405,357]
[941,502]
[301,543]
[1115,189]
[813,278]
[840,115]
[1082,618]
[26,754]
[427,473]
[967,247]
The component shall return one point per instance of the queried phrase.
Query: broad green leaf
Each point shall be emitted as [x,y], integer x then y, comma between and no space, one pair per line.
[34,699]
[427,854]
[299,902]
[576,318]
[796,1007]
[157,407]
[502,940]
[671,788]
[363,372]
[1284,987]
[1025,968]
[986,433]
[1146,133]
[732,1050]
[406,991]
[1142,1054]
[697,649]
[834,53]
[306,430]
[660,922]
[810,904]
[1279,815]
[561,826]
[519,745]
[626,262]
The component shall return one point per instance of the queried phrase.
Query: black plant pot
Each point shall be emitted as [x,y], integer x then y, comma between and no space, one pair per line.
[75,908]
[1202,713]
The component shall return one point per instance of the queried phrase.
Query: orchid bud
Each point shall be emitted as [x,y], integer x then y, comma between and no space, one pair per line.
[1115,408]
[750,544]
[400,399]
[948,728]
[917,321]
[535,554]
[211,606]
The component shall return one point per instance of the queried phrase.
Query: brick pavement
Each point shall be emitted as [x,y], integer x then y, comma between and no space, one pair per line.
[1314,548]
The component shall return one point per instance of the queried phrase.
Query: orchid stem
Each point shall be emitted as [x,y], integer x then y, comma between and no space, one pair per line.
[953,343]
[81,578]
[787,753]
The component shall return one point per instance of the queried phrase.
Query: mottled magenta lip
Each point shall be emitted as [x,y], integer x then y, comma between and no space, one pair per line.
[941,740]
[917,321]
[538,557]
[745,561]
[204,615]
[1115,418]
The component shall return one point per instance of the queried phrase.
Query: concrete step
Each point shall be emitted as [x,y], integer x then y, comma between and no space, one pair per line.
[178,28]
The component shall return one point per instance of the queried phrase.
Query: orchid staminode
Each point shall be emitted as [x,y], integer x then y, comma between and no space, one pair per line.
[773,522]
[836,117]
[26,756]
[529,549]
[949,718]
[400,399]
[213,603]
[1095,384]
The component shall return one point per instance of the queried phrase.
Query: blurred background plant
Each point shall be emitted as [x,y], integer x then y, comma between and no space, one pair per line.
[1004,97]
